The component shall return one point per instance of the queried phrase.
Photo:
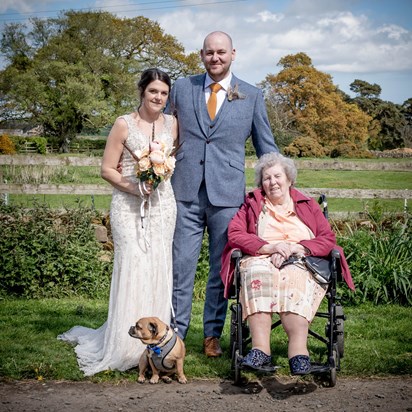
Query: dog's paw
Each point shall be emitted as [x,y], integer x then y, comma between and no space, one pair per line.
[154,380]
[166,379]
[141,379]
[182,379]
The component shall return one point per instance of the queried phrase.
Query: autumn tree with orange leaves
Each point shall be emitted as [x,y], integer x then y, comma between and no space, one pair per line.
[315,115]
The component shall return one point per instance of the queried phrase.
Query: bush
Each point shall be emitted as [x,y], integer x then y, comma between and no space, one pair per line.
[249,149]
[84,145]
[40,143]
[202,270]
[7,146]
[379,253]
[44,253]
[349,150]
[304,147]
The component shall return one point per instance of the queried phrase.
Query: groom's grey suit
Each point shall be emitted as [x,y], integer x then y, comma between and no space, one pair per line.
[209,186]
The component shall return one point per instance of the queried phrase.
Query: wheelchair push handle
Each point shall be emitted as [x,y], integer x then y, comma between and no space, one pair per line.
[323,201]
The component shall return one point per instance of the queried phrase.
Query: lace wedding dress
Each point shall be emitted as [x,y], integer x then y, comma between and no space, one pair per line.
[142,274]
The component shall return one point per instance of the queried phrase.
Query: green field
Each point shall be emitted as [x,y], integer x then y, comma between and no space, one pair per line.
[377,341]
[342,179]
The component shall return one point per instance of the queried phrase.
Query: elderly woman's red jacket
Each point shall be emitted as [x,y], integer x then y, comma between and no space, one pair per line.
[242,233]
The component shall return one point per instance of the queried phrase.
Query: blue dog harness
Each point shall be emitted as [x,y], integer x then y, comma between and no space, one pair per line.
[158,354]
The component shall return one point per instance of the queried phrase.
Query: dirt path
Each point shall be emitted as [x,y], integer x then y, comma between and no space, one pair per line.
[280,394]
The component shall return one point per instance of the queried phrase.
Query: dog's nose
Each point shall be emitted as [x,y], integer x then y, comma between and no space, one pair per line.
[131,330]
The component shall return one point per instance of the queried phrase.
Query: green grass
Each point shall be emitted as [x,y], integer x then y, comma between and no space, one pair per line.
[378,341]
[98,202]
[375,179]
[346,179]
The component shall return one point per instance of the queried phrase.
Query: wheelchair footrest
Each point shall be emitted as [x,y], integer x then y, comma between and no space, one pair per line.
[263,369]
[319,369]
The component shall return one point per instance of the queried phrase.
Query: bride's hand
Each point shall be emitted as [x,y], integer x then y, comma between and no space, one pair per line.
[147,188]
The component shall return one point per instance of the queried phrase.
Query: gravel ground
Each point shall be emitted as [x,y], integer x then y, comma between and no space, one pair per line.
[267,394]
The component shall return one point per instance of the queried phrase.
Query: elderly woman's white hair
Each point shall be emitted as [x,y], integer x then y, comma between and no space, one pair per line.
[272,159]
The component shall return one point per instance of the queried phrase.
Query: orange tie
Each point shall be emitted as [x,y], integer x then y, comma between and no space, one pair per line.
[212,102]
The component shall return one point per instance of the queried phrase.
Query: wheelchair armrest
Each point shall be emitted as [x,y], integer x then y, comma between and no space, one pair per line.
[335,265]
[236,254]
[335,254]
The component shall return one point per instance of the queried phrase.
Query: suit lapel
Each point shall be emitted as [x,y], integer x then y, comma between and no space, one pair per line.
[199,103]
[225,109]
[201,110]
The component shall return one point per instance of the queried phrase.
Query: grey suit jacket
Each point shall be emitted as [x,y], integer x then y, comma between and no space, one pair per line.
[214,151]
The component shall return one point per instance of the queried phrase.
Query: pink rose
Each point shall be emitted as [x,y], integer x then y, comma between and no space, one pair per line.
[159,169]
[155,146]
[143,164]
[170,164]
[142,153]
[157,157]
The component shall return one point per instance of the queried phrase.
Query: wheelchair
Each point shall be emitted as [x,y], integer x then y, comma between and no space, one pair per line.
[334,327]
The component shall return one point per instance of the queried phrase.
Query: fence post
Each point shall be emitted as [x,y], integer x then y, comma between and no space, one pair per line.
[4,196]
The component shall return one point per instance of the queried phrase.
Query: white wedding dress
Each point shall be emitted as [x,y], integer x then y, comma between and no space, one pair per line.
[142,274]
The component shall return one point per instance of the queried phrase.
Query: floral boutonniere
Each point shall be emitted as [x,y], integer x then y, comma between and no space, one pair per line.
[234,94]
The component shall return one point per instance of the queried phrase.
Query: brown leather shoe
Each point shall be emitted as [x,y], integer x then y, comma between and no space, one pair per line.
[211,347]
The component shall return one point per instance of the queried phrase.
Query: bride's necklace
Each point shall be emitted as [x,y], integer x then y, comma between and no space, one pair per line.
[151,138]
[153,131]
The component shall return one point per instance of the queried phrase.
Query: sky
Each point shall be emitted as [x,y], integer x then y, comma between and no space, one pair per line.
[370,40]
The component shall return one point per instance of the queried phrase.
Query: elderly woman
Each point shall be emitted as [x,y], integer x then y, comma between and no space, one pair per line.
[275,222]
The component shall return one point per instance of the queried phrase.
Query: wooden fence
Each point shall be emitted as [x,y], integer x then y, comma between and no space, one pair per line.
[106,189]
[29,148]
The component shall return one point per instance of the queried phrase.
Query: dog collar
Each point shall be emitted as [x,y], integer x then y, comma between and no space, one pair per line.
[161,353]
[154,347]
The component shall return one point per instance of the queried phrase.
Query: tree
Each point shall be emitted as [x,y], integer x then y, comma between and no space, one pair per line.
[365,89]
[387,129]
[315,109]
[407,130]
[80,70]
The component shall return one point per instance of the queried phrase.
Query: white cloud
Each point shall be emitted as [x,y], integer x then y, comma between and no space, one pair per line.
[339,40]
[265,16]
[393,32]
[21,6]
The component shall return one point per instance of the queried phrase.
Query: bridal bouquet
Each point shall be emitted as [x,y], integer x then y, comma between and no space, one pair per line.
[154,163]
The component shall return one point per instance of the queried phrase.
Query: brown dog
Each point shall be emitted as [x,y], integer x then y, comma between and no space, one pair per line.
[165,350]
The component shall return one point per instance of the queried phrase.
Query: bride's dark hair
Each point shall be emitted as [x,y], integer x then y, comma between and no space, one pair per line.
[150,75]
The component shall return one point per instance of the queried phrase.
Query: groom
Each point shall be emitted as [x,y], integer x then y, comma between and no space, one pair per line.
[209,178]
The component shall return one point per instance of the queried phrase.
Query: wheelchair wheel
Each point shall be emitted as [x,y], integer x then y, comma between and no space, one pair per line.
[340,337]
[236,364]
[339,328]
[333,369]
[239,331]
[233,344]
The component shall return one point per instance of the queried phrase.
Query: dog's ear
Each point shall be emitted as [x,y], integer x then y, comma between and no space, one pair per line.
[153,328]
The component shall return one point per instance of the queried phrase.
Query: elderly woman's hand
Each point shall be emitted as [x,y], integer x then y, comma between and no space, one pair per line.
[277,260]
[282,248]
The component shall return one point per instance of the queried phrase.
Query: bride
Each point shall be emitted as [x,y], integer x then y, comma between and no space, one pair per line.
[142,218]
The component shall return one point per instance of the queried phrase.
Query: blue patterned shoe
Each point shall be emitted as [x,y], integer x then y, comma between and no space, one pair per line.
[258,361]
[300,365]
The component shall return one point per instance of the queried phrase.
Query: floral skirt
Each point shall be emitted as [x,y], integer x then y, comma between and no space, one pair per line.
[264,288]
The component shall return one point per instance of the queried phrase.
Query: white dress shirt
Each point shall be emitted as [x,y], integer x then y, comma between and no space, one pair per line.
[221,94]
